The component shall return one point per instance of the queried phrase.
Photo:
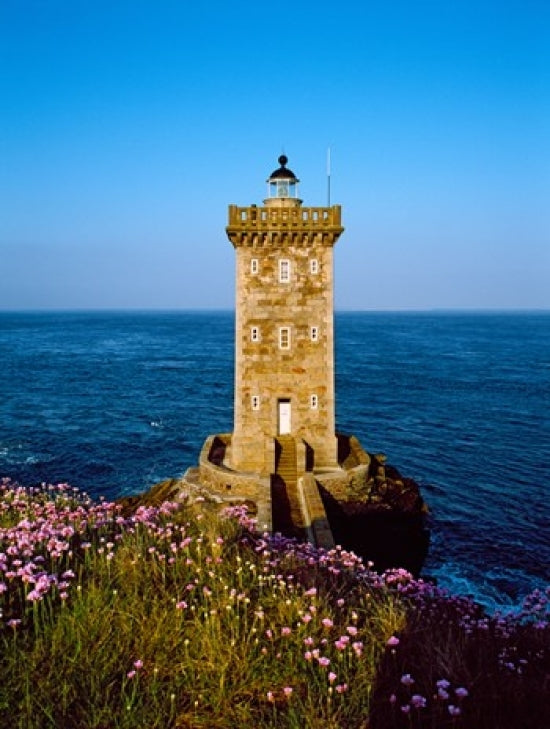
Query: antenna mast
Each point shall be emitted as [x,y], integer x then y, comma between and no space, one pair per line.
[328,176]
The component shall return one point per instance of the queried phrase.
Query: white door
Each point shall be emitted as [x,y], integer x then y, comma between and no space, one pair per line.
[284,417]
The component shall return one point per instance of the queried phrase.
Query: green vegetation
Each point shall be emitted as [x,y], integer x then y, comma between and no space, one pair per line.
[178,616]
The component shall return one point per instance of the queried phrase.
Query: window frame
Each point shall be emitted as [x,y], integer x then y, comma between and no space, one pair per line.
[314,266]
[314,333]
[314,401]
[284,270]
[255,335]
[255,402]
[284,335]
[254,266]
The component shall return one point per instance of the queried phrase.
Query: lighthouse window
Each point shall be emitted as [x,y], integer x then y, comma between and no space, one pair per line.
[255,334]
[284,270]
[284,337]
[254,266]
[314,334]
[313,402]
[255,402]
[314,266]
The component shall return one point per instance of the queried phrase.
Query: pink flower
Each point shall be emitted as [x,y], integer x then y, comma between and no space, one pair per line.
[138,664]
[287,691]
[327,622]
[351,629]
[341,688]
[392,642]
[270,696]
[332,677]
[131,674]
[324,661]
[407,679]
[454,710]
[286,631]
[181,605]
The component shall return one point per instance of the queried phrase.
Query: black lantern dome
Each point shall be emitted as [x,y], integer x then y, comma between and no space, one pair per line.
[282,182]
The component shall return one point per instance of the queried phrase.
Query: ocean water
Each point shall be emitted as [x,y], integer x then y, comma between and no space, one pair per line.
[114,402]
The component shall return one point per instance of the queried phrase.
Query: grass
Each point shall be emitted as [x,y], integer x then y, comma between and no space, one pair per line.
[178,616]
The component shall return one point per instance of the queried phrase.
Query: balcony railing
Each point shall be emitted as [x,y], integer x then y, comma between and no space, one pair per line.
[255,218]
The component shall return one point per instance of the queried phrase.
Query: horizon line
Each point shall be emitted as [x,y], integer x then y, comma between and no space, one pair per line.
[206,310]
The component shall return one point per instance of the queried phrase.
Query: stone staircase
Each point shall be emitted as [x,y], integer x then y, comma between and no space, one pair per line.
[286,460]
[287,516]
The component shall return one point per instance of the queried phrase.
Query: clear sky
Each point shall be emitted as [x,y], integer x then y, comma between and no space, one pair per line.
[127,127]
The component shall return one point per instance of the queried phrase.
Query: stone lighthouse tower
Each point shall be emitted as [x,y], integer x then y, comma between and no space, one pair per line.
[284,339]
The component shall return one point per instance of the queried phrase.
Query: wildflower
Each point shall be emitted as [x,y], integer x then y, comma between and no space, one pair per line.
[352,630]
[287,691]
[286,631]
[454,710]
[461,692]
[392,642]
[138,664]
[131,674]
[327,622]
[418,701]
[407,679]
[270,696]
[393,699]
[332,677]
[341,688]
[323,661]
[181,605]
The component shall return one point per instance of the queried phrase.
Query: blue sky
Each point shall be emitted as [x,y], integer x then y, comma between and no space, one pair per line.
[126,128]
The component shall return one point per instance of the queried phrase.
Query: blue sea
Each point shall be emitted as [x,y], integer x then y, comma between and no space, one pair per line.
[114,402]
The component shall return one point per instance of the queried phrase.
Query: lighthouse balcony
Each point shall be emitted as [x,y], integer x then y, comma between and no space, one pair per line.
[270,218]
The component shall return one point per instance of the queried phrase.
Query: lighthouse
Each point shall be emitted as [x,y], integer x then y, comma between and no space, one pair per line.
[284,408]
[284,457]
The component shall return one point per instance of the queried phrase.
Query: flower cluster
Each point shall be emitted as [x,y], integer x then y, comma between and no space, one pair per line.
[308,628]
